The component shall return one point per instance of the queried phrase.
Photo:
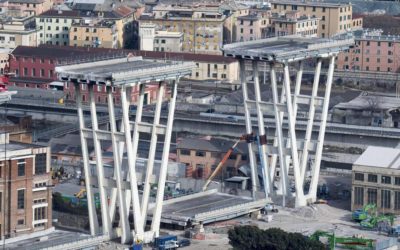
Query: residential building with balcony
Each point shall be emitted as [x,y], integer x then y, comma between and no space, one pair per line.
[376,179]
[25,196]
[334,18]
[93,33]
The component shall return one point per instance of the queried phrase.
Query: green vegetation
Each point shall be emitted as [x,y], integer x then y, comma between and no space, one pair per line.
[252,238]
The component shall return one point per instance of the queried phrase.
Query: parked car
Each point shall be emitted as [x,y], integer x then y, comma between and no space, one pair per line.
[184,243]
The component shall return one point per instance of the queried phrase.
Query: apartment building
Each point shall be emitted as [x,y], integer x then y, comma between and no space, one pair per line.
[293,23]
[253,26]
[155,40]
[202,155]
[334,18]
[93,33]
[25,197]
[376,179]
[54,25]
[202,26]
[373,52]
[18,31]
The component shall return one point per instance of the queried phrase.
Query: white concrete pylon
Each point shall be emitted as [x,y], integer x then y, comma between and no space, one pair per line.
[93,223]
[321,136]
[261,131]
[249,129]
[105,216]
[125,234]
[155,225]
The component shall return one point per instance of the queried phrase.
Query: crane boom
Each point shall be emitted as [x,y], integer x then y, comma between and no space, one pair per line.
[220,165]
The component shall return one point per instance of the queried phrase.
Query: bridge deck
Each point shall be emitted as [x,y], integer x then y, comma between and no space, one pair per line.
[123,71]
[207,207]
[286,49]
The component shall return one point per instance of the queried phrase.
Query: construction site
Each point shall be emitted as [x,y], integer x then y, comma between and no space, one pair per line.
[125,197]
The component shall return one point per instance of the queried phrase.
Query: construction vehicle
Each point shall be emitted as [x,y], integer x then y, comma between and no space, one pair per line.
[362,214]
[343,242]
[381,222]
[166,242]
[79,199]
[249,138]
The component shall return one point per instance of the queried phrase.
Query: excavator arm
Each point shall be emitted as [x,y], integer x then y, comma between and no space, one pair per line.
[220,165]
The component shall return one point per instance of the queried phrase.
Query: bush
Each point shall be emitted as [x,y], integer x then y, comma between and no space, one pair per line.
[252,238]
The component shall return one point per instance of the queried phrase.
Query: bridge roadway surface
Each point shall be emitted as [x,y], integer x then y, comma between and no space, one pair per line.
[210,124]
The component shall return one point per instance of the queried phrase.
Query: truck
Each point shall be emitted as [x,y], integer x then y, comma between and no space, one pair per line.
[166,242]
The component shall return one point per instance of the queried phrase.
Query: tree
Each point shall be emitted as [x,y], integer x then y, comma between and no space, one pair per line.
[253,238]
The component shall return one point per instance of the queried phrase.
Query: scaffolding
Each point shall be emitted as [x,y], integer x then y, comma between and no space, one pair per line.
[290,151]
[120,191]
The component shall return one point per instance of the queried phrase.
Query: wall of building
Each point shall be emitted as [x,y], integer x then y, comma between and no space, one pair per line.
[203,36]
[54,30]
[203,163]
[32,9]
[372,54]
[21,220]
[93,36]
[217,71]
[363,192]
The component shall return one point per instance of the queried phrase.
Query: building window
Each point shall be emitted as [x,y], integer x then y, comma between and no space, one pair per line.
[21,222]
[33,72]
[200,153]
[25,71]
[185,152]
[162,41]
[397,181]
[358,196]
[372,178]
[386,179]
[397,200]
[21,199]
[40,213]
[21,167]
[385,198]
[372,195]
[359,176]
[40,163]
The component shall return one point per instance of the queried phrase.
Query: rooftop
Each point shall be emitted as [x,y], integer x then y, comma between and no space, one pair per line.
[286,48]
[380,157]
[312,3]
[123,71]
[369,102]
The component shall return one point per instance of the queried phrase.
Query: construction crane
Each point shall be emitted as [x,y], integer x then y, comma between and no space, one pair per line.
[249,138]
